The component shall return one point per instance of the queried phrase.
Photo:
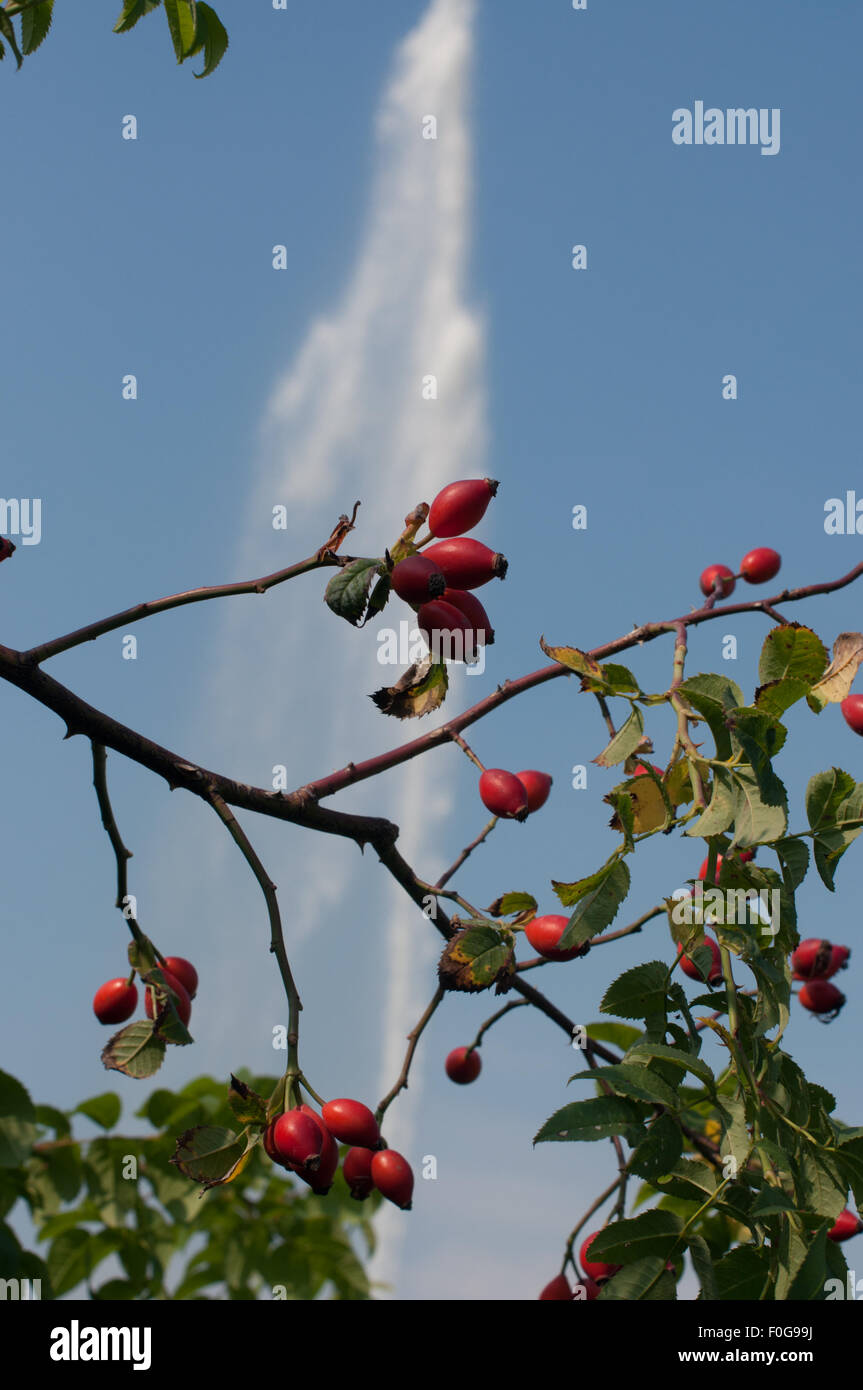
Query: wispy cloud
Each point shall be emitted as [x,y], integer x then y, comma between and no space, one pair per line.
[348,420]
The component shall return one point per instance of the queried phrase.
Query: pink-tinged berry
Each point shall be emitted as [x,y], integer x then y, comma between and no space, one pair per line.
[760,565]
[417,579]
[691,969]
[466,563]
[460,506]
[351,1122]
[115,1001]
[852,712]
[847,1224]
[710,576]
[503,794]
[393,1177]
[821,997]
[557,1290]
[463,1066]
[537,785]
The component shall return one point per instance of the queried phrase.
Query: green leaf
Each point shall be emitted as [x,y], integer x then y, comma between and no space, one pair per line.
[637,992]
[180,15]
[54,1119]
[598,909]
[247,1106]
[133,10]
[702,1263]
[571,893]
[619,1034]
[808,1283]
[849,1163]
[794,651]
[742,1275]
[771,1201]
[134,1050]
[824,794]
[654,1232]
[104,1110]
[829,845]
[760,811]
[636,1082]
[18,1132]
[818,1183]
[35,24]
[777,696]
[15,1099]
[635,1282]
[794,859]
[625,741]
[7,29]
[209,1154]
[477,958]
[510,904]
[348,591]
[215,38]
[720,812]
[619,680]
[75,1254]
[714,697]
[659,1151]
[676,1056]
[583,1120]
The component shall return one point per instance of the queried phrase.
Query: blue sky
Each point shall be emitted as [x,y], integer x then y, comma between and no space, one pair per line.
[600,387]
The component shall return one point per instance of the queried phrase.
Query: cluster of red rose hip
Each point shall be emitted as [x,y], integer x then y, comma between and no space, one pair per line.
[306,1144]
[437,584]
[814,962]
[116,1000]
[758,567]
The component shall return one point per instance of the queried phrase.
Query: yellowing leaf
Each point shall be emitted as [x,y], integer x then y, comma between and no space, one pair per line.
[836,682]
[421,690]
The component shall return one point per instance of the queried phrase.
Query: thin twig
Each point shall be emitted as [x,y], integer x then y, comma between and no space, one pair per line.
[277,938]
[466,852]
[322,558]
[401,1083]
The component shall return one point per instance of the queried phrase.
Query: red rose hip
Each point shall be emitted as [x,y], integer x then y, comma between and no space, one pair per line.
[393,1177]
[760,565]
[466,563]
[557,1290]
[446,631]
[595,1269]
[811,959]
[463,1066]
[185,972]
[6,548]
[321,1179]
[469,605]
[847,1224]
[351,1123]
[357,1169]
[691,969]
[852,712]
[417,579]
[710,576]
[503,794]
[537,785]
[115,1001]
[460,506]
[585,1291]
[298,1139]
[821,997]
[543,933]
